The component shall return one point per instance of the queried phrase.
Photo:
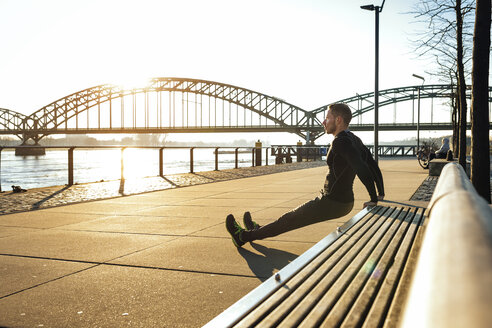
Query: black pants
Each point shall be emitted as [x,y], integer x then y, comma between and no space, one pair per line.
[317,210]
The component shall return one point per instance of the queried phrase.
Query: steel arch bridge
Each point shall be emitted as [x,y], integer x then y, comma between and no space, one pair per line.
[11,121]
[362,104]
[166,105]
[174,105]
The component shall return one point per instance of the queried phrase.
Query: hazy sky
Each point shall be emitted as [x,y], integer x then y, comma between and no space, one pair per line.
[308,52]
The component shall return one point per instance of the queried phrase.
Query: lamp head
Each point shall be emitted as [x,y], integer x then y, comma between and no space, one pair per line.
[368,7]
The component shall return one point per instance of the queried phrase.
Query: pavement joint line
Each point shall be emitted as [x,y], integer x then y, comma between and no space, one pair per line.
[96,264]
[177,235]
[46,282]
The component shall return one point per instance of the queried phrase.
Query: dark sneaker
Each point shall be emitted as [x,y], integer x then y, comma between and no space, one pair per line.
[235,230]
[249,223]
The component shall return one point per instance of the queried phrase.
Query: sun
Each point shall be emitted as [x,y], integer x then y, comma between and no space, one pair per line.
[132,81]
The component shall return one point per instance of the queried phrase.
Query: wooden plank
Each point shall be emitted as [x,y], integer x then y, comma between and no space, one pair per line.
[397,305]
[274,300]
[378,311]
[452,283]
[378,277]
[354,303]
[336,273]
[353,276]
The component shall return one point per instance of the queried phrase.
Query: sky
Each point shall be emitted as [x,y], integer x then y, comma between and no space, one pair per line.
[308,52]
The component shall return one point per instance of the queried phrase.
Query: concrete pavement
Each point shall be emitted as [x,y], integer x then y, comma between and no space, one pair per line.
[162,258]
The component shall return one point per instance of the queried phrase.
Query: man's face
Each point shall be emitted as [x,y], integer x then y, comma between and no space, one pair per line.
[330,123]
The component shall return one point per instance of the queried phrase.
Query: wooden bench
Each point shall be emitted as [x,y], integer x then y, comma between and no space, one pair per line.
[452,286]
[357,274]
[381,269]
[437,164]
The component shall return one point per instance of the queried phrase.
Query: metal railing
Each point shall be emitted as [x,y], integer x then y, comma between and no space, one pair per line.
[256,156]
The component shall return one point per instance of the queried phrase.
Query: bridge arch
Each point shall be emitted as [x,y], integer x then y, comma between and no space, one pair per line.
[363,103]
[12,120]
[177,106]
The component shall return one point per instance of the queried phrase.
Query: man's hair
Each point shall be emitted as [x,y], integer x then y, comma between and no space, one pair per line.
[342,110]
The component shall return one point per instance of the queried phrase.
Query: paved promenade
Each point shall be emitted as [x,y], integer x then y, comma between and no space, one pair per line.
[163,258]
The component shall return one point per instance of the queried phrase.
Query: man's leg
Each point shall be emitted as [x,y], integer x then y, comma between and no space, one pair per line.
[313,211]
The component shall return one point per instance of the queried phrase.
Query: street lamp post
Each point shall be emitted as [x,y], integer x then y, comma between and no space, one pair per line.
[376,10]
[418,110]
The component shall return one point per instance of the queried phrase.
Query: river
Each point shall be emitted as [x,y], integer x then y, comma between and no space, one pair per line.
[105,164]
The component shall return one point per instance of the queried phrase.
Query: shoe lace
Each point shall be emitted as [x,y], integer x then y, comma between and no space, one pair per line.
[238,228]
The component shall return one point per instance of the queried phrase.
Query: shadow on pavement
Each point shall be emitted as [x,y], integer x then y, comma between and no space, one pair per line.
[264,264]
[36,205]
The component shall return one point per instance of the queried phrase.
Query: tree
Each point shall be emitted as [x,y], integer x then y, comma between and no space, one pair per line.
[480,164]
[447,40]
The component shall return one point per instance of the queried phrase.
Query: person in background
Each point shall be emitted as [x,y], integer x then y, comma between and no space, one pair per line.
[441,152]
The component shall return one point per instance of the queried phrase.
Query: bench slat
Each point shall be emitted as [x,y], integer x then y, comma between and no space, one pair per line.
[395,311]
[381,304]
[361,290]
[373,290]
[344,279]
[312,270]
[327,284]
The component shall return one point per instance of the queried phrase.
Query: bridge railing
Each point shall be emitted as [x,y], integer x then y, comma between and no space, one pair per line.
[395,150]
[256,156]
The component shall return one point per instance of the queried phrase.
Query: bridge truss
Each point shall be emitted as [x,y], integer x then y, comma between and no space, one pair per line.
[181,105]
[165,105]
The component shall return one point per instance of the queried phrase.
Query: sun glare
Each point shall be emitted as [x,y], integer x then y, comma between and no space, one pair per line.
[133,82]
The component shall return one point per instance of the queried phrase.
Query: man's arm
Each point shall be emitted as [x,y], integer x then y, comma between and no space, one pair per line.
[376,172]
[346,149]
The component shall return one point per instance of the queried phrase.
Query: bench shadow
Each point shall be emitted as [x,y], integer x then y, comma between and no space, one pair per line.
[264,265]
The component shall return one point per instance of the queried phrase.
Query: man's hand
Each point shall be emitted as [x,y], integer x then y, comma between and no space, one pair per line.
[370,204]
[380,197]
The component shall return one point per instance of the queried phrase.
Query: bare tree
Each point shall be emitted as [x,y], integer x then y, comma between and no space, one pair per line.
[447,39]
[480,165]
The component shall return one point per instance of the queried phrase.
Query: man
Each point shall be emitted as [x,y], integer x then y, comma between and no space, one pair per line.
[441,152]
[347,157]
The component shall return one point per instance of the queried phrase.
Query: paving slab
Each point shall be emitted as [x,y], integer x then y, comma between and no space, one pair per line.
[231,202]
[147,198]
[112,296]
[162,225]
[13,231]
[100,207]
[195,211]
[260,195]
[44,219]
[20,273]
[77,245]
[205,254]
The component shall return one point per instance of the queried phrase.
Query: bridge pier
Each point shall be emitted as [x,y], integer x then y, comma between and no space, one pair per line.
[35,150]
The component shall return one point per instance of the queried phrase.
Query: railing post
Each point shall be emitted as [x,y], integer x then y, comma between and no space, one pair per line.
[191,160]
[217,159]
[252,157]
[122,164]
[70,166]
[1,169]
[161,162]
[236,158]
[258,153]
[266,156]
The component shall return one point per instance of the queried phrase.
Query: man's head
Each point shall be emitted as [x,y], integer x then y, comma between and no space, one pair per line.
[337,119]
